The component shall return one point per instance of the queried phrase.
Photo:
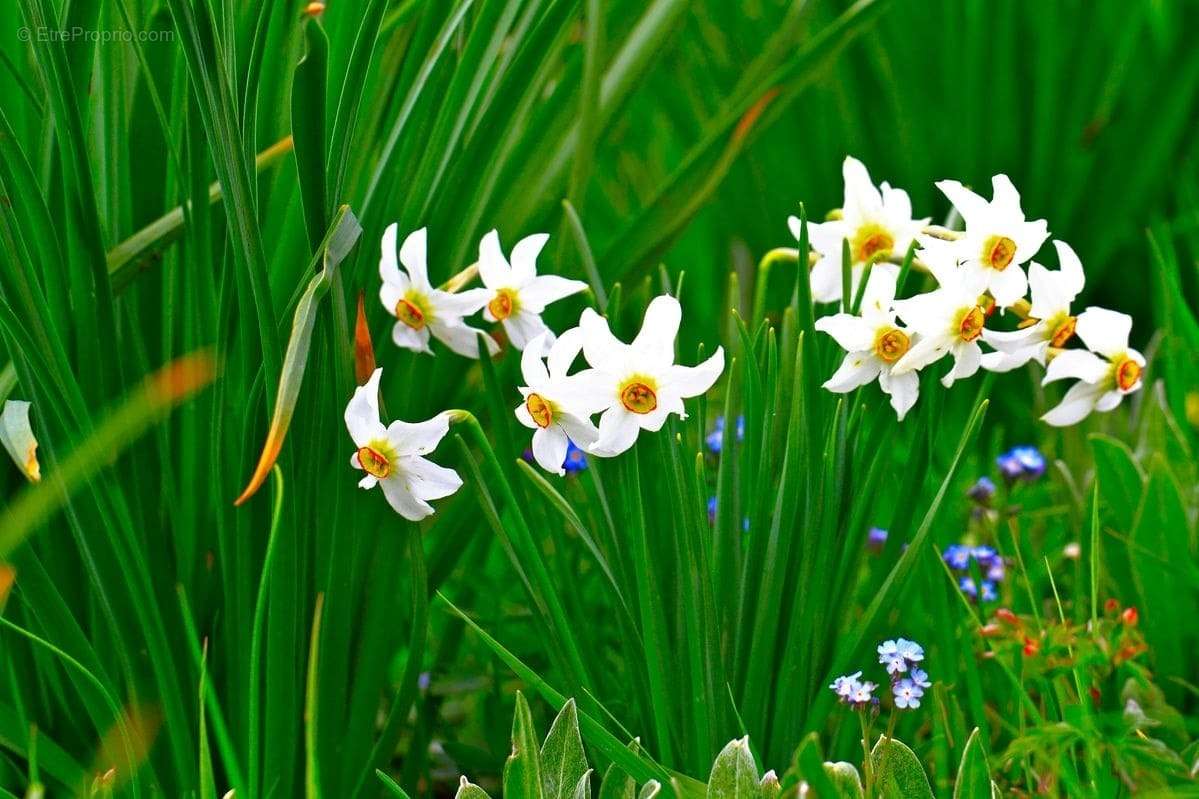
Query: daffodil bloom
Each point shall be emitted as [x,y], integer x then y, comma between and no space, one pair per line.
[1102,381]
[422,310]
[877,223]
[393,456]
[16,434]
[517,295]
[638,385]
[874,342]
[949,320]
[997,239]
[1049,322]
[547,409]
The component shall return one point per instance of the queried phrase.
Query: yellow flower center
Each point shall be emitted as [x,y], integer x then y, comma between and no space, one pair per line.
[871,240]
[638,395]
[376,458]
[970,323]
[504,304]
[1063,331]
[998,252]
[1127,372]
[541,410]
[412,310]
[891,343]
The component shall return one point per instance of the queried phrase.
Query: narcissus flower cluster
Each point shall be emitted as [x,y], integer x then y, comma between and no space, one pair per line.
[983,276]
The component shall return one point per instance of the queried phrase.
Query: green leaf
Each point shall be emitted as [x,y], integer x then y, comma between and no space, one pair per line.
[898,773]
[563,762]
[734,775]
[650,790]
[582,789]
[522,771]
[468,790]
[844,778]
[1120,478]
[974,774]
[308,128]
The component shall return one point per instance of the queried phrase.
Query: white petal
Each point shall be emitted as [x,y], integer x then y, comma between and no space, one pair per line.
[1007,361]
[524,257]
[450,307]
[400,497]
[903,389]
[1004,197]
[16,434]
[418,438]
[857,369]
[409,339]
[655,340]
[1049,296]
[927,313]
[618,431]
[524,417]
[1017,341]
[368,482]
[926,350]
[862,199]
[897,206]
[879,293]
[524,326]
[1008,285]
[850,332]
[587,392]
[974,209]
[826,278]
[1086,366]
[691,381]
[564,351]
[1103,331]
[362,412]
[532,367]
[541,291]
[390,295]
[494,270]
[389,270]
[580,429]
[601,349]
[1108,401]
[1029,236]
[966,359]
[941,257]
[412,256]
[1078,402]
[427,480]
[462,339]
[1070,275]
[549,449]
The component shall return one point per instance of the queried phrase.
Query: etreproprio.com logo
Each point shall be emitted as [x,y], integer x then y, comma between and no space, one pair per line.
[94,35]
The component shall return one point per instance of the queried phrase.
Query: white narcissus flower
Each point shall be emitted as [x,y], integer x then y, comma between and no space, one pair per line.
[1102,381]
[421,309]
[1049,322]
[16,434]
[948,320]
[548,409]
[393,456]
[997,239]
[873,343]
[637,385]
[517,295]
[877,223]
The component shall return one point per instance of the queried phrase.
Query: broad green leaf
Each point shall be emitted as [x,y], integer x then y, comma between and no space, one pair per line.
[522,771]
[734,774]
[974,774]
[468,790]
[844,778]
[769,787]
[650,790]
[811,768]
[582,789]
[898,773]
[563,761]
[617,784]
[1120,478]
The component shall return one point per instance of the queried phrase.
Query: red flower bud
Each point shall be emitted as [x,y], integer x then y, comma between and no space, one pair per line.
[1031,647]
[1006,616]
[1130,616]
[1111,606]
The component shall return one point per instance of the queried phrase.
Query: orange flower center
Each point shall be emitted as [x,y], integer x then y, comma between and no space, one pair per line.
[410,314]
[1063,332]
[1128,373]
[374,460]
[872,240]
[503,304]
[540,410]
[891,343]
[971,325]
[998,252]
[638,396]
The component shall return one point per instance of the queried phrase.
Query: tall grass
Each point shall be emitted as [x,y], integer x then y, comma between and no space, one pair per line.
[167,200]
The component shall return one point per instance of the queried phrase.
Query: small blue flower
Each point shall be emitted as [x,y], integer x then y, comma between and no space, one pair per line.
[957,557]
[984,555]
[982,490]
[711,510]
[912,651]
[876,538]
[899,654]
[844,686]
[966,586]
[576,459]
[920,678]
[862,694]
[987,591]
[907,694]
[1021,463]
[715,439]
[996,570]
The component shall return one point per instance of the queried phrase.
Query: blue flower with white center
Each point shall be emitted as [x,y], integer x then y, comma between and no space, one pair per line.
[996,570]
[907,694]
[862,694]
[920,678]
[576,459]
[987,591]
[982,491]
[984,555]
[892,656]
[876,538]
[844,686]
[1021,463]
[912,652]
[966,586]
[957,557]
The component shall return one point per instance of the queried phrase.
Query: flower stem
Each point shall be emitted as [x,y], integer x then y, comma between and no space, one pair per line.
[867,766]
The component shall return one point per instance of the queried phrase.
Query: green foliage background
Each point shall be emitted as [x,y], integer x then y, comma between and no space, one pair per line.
[682,133]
